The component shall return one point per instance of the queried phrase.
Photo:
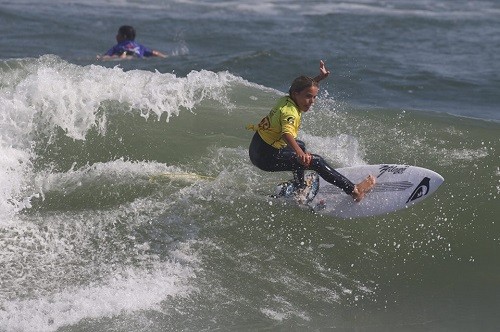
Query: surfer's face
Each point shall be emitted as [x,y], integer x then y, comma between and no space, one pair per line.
[120,37]
[305,98]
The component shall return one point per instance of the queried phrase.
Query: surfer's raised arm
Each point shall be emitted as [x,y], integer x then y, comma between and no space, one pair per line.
[323,72]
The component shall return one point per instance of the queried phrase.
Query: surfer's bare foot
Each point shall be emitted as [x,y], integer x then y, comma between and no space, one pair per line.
[363,187]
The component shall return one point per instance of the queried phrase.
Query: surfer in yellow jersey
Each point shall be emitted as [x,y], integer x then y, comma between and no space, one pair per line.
[274,146]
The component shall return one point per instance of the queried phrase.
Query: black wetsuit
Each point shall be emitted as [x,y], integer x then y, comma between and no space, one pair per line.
[270,159]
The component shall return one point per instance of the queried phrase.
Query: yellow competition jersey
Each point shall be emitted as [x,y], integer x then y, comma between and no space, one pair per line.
[283,118]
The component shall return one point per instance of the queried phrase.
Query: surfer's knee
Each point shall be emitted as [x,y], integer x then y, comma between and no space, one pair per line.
[317,162]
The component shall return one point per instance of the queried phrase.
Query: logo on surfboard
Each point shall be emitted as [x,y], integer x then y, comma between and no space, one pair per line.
[421,190]
[394,169]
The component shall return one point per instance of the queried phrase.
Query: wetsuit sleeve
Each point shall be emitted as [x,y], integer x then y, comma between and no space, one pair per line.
[111,51]
[147,52]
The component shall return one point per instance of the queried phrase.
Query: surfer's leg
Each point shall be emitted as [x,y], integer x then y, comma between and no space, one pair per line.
[363,187]
[328,173]
[298,169]
[286,160]
[357,191]
[270,159]
[263,155]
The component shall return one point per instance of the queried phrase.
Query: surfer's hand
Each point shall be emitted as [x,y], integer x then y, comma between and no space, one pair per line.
[322,70]
[304,159]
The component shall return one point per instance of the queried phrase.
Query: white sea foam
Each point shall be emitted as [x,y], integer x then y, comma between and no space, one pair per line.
[49,93]
[127,291]
[280,310]
[115,172]
[343,150]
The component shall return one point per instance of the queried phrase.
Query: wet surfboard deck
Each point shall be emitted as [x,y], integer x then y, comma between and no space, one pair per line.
[397,187]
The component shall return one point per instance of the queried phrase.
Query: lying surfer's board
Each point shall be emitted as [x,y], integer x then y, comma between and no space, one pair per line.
[397,187]
[181,176]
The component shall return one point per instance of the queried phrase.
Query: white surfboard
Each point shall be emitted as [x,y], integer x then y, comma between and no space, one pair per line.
[397,187]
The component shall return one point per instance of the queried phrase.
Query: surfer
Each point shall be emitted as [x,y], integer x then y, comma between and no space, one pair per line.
[127,47]
[274,146]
